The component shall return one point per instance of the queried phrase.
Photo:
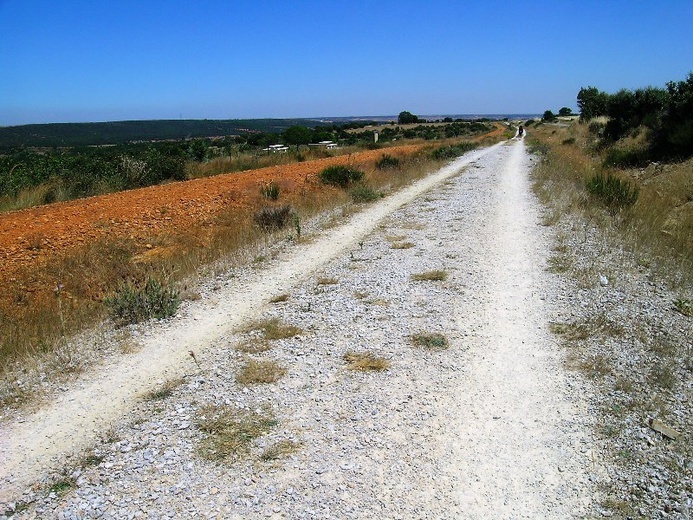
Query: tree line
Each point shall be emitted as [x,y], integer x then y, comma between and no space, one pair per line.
[665,113]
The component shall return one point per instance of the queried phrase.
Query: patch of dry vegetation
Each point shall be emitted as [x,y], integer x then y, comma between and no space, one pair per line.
[256,372]
[229,432]
[365,362]
[430,276]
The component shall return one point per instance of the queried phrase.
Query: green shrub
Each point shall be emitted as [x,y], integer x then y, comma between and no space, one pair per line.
[452,151]
[272,218]
[340,176]
[133,303]
[613,191]
[620,158]
[387,161]
[270,190]
[597,128]
[364,193]
[569,141]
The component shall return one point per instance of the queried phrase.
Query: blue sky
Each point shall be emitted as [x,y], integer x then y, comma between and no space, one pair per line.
[103,60]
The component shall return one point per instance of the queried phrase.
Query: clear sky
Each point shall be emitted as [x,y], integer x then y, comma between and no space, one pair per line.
[104,60]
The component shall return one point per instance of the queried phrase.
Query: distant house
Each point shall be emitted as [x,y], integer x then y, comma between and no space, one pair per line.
[276,148]
[328,145]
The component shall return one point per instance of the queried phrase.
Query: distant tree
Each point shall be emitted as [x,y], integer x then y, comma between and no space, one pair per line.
[407,118]
[549,116]
[592,103]
[447,120]
[565,111]
[297,135]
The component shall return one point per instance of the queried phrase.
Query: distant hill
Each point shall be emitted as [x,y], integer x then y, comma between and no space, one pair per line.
[117,132]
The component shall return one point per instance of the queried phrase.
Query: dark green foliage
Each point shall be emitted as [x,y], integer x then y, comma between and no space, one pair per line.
[592,103]
[667,114]
[630,158]
[386,162]
[133,303]
[569,141]
[407,118]
[273,218]
[340,176]
[548,116]
[119,132]
[565,111]
[675,136]
[450,152]
[596,128]
[615,192]
[298,135]
[364,193]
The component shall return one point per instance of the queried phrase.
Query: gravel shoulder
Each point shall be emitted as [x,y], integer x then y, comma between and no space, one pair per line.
[491,427]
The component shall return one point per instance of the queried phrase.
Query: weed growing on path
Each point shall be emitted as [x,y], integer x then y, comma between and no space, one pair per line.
[279,450]
[431,276]
[274,328]
[230,431]
[365,361]
[430,341]
[260,372]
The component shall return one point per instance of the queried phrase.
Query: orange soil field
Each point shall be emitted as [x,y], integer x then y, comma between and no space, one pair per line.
[30,238]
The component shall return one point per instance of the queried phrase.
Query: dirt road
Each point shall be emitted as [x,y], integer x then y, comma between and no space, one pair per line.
[492,427]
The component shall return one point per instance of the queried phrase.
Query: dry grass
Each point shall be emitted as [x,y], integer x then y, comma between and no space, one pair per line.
[279,450]
[402,245]
[260,372]
[279,298]
[230,431]
[365,362]
[164,391]
[658,227]
[431,276]
[254,347]
[327,281]
[274,328]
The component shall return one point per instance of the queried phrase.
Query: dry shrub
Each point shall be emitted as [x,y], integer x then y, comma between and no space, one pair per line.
[274,328]
[279,450]
[431,276]
[365,361]
[259,372]
[230,431]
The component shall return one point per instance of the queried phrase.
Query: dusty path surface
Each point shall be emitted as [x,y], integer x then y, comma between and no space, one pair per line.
[490,427]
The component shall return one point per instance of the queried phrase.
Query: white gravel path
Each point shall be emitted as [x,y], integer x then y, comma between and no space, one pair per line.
[490,428]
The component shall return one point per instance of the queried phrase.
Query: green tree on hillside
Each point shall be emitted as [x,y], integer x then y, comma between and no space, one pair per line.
[297,135]
[565,111]
[592,103]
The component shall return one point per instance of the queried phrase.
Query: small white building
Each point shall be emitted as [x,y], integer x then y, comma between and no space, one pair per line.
[276,148]
[328,145]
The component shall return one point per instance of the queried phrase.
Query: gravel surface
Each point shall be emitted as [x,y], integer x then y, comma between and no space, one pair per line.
[492,426]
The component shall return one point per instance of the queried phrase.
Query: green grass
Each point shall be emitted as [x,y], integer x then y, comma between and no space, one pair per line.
[133,303]
[430,341]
